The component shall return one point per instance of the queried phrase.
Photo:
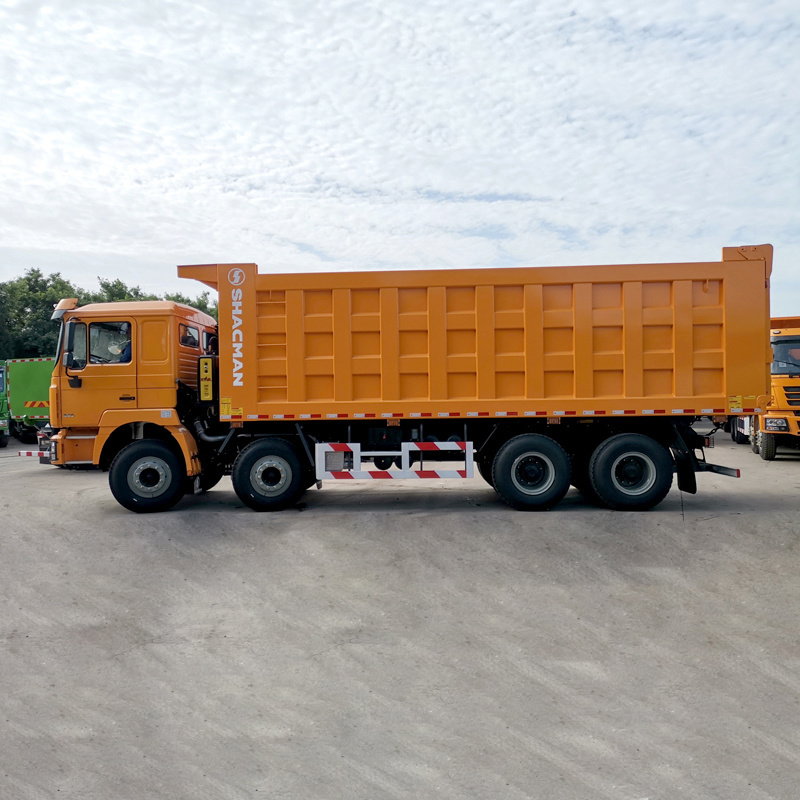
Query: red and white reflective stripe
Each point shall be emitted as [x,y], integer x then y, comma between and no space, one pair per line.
[28,360]
[333,463]
[385,475]
[35,453]
[427,446]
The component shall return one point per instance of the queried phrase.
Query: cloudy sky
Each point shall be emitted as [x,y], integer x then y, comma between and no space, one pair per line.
[359,134]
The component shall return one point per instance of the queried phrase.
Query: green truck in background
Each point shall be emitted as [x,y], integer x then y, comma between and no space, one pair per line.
[5,418]
[24,398]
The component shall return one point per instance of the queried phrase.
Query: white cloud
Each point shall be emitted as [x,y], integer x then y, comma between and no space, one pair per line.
[340,135]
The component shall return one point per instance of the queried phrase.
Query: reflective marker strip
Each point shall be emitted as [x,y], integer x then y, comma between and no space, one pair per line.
[382,475]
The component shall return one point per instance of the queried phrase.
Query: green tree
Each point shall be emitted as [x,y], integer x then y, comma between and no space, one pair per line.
[112,291]
[202,302]
[27,307]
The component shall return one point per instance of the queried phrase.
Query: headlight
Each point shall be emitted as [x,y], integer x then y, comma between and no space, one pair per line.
[776,424]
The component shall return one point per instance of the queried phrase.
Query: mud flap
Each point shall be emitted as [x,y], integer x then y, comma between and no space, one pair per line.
[685,469]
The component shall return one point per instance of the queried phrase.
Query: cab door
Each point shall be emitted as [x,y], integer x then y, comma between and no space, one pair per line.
[103,372]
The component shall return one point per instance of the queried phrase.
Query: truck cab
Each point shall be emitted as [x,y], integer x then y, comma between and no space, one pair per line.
[123,369]
[779,424]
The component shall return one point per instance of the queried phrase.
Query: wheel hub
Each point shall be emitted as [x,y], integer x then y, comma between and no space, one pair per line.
[633,473]
[270,475]
[533,473]
[149,477]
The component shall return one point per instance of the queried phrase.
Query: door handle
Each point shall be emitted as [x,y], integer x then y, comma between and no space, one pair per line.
[127,397]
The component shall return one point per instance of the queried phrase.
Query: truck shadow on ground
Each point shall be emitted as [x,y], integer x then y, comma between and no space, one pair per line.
[479,501]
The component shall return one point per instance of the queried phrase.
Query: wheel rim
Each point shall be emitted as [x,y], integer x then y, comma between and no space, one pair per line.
[533,473]
[633,473]
[149,477]
[270,475]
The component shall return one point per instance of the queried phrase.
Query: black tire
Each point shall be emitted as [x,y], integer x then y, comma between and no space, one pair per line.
[383,462]
[767,446]
[531,472]
[26,435]
[3,441]
[147,476]
[631,472]
[268,475]
[485,470]
[581,480]
[211,476]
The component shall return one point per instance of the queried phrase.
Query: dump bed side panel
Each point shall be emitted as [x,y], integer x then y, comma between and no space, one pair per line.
[29,387]
[583,341]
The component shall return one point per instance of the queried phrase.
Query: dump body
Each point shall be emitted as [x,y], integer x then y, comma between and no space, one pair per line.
[649,339]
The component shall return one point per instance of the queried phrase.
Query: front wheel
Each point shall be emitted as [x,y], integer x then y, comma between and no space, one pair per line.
[3,441]
[147,476]
[268,476]
[767,446]
[631,472]
[531,472]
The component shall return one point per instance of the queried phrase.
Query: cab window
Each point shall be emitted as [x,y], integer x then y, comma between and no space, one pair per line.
[2,380]
[189,336]
[106,342]
[786,357]
[79,346]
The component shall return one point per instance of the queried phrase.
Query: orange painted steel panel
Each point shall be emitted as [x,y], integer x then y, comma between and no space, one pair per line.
[550,341]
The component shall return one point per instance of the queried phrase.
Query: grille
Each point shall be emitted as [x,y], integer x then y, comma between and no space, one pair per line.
[792,395]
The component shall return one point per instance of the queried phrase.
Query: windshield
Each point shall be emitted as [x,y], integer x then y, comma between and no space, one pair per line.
[786,357]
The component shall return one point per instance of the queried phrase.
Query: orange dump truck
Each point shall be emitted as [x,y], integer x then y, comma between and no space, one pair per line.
[542,377]
[779,423]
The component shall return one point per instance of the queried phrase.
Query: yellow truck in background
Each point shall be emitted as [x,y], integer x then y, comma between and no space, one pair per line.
[779,423]
[541,377]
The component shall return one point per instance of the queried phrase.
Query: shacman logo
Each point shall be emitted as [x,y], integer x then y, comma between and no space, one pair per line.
[236,277]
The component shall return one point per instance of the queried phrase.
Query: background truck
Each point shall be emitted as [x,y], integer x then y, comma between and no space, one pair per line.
[541,377]
[779,423]
[27,386]
[5,417]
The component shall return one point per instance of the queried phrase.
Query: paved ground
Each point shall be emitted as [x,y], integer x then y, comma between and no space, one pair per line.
[400,642]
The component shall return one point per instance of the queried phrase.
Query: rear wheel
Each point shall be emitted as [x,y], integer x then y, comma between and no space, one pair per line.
[147,476]
[631,472]
[531,472]
[484,469]
[767,446]
[268,476]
